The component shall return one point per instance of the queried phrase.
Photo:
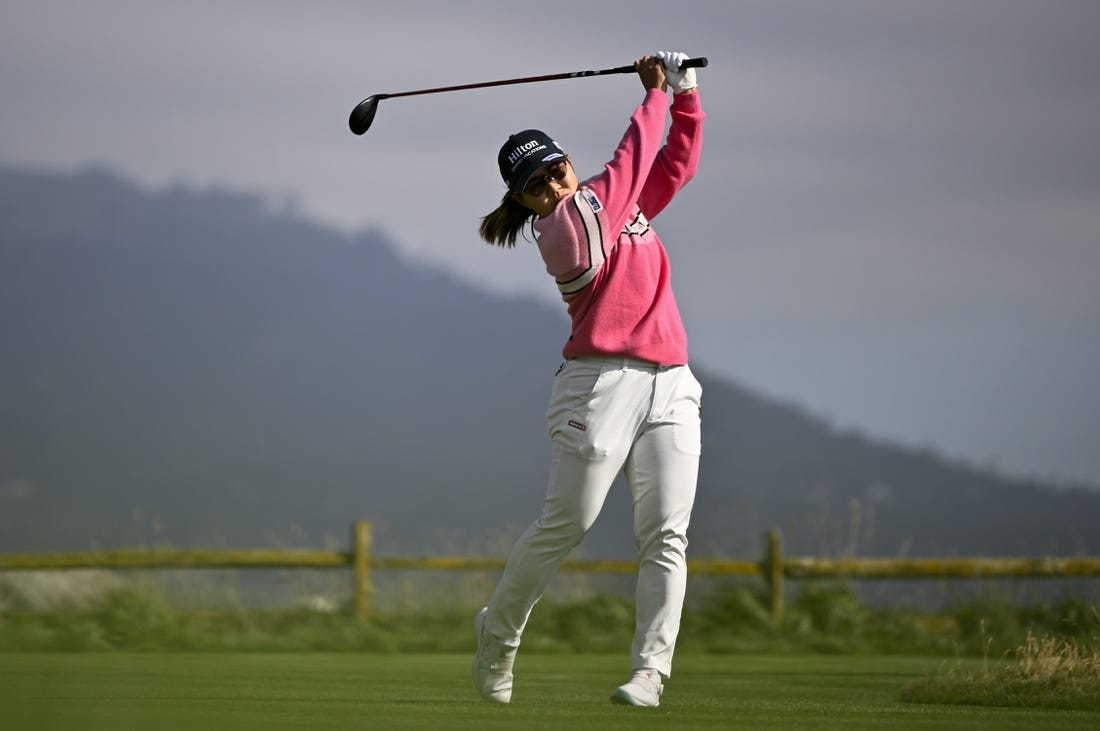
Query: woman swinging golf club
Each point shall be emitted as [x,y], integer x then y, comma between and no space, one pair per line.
[625,398]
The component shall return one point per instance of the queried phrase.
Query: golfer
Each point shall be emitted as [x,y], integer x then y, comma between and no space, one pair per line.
[624,399]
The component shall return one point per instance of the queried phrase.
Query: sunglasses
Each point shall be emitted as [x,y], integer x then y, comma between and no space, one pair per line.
[538,182]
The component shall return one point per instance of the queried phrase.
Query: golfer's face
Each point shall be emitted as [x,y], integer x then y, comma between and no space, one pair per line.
[550,185]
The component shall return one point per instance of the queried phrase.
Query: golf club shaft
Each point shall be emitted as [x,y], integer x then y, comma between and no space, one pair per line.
[689,63]
[363,114]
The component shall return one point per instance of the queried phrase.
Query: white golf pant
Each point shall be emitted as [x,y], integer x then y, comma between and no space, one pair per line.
[607,415]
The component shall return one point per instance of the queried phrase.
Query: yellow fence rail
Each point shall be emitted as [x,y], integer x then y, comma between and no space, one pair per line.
[774,568]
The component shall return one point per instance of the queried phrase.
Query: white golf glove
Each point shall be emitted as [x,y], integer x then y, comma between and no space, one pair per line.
[680,80]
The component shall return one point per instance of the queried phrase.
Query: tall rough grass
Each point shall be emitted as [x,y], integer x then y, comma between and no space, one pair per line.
[1044,671]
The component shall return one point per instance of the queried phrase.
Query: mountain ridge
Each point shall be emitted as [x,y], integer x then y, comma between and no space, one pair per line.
[193,367]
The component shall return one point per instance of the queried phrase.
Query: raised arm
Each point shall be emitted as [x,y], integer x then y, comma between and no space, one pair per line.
[620,184]
[678,160]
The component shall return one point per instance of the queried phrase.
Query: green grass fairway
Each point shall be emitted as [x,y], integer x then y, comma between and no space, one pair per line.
[209,692]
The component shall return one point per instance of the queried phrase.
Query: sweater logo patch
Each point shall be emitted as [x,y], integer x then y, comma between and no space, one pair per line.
[638,227]
[591,199]
[578,425]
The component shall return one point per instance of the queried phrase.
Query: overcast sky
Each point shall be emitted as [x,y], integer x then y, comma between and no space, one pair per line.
[896,223]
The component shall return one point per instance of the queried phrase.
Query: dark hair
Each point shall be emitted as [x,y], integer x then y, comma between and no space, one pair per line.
[503,224]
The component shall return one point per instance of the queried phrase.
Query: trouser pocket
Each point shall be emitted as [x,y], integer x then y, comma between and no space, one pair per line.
[582,414]
[687,422]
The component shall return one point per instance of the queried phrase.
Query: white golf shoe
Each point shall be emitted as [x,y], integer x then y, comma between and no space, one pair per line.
[493,664]
[643,689]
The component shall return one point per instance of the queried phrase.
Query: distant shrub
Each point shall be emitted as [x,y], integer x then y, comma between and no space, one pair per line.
[729,617]
[136,617]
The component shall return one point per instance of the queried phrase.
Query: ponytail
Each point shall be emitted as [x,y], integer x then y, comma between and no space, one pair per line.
[505,223]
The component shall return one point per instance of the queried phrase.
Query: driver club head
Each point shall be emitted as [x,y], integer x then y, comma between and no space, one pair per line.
[363,114]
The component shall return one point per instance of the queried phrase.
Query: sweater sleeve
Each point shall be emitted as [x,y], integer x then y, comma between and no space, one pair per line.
[575,239]
[678,160]
[620,184]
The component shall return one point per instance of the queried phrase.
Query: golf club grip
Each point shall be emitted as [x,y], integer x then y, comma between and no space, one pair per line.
[690,63]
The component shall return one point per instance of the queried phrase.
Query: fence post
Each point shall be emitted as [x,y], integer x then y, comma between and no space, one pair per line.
[360,555]
[773,572]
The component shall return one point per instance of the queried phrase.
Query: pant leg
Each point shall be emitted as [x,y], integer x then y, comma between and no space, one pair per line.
[662,470]
[578,488]
[595,410]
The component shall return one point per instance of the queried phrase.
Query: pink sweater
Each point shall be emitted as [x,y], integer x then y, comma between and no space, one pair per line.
[612,269]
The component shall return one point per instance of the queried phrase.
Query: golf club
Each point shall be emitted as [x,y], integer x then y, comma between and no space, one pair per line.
[363,114]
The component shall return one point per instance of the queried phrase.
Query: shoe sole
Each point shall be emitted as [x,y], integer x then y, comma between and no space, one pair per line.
[622,698]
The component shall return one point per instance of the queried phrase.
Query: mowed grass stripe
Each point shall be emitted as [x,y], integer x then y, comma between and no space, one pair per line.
[363,691]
